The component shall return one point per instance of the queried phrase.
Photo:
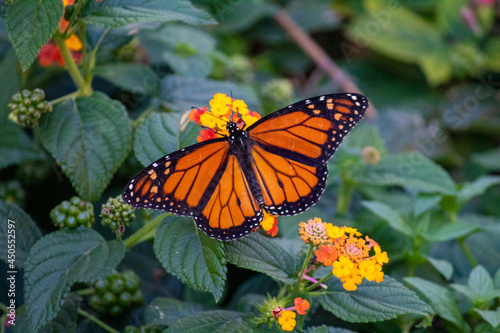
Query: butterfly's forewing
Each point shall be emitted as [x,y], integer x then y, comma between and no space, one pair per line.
[292,146]
[180,182]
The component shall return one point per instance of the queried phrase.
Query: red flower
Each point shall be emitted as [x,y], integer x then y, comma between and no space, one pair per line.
[50,54]
[327,254]
[301,305]
[274,230]
[206,134]
[195,114]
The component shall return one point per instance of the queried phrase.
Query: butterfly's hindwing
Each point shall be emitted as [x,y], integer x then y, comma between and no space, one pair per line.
[232,211]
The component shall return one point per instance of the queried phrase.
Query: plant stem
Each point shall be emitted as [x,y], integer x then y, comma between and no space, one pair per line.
[97,321]
[84,89]
[411,270]
[319,56]
[64,98]
[467,252]
[316,285]
[92,60]
[139,235]
[304,266]
[77,8]
[344,195]
[86,292]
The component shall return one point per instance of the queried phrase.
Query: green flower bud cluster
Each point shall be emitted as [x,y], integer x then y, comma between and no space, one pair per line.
[116,213]
[117,293]
[278,90]
[73,213]
[28,106]
[12,192]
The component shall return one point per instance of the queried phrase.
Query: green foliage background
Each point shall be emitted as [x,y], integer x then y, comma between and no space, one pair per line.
[431,72]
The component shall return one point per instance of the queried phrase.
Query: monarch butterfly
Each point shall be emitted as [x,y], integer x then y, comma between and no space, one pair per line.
[278,164]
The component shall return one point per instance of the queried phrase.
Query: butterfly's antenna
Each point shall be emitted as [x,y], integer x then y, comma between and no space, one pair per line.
[209,113]
[223,135]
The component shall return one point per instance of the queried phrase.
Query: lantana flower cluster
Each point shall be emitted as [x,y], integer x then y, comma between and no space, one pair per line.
[285,317]
[345,251]
[50,53]
[222,110]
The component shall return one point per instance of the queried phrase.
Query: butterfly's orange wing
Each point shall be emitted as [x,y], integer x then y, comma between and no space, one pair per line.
[291,148]
[278,165]
[204,181]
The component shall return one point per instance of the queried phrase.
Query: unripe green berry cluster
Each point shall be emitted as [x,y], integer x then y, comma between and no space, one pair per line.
[117,293]
[116,213]
[28,106]
[73,213]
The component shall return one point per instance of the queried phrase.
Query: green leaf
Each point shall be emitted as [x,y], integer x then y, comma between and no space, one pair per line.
[441,299]
[187,50]
[165,311]
[450,19]
[183,93]
[492,49]
[30,24]
[425,202]
[481,283]
[392,217]
[437,66]
[66,319]
[157,136]
[60,259]
[15,145]
[402,35]
[138,79]
[314,15]
[117,13]
[327,329]
[219,321]
[475,188]
[451,231]
[496,279]
[444,267]
[238,16]
[190,255]
[490,316]
[489,160]
[261,254]
[372,301]
[89,137]
[24,231]
[410,170]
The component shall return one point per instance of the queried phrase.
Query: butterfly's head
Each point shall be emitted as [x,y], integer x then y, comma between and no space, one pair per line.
[233,129]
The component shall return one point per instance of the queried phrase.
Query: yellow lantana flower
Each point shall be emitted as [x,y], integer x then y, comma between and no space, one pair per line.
[287,320]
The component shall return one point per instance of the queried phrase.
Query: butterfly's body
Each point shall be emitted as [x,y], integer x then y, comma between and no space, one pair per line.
[241,147]
[278,164]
